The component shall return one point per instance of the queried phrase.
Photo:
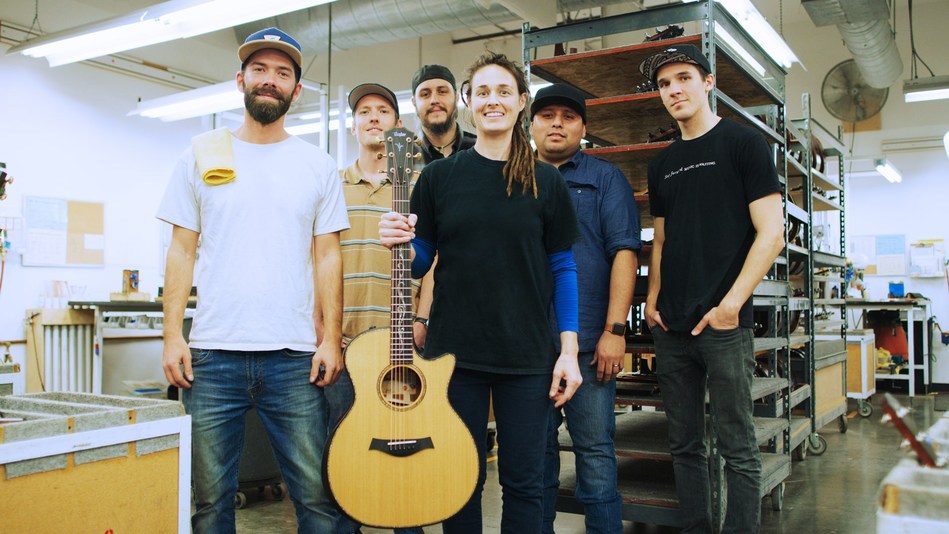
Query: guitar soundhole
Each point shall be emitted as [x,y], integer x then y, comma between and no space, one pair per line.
[401,387]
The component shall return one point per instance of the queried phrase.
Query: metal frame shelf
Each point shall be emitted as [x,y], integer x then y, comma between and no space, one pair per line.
[619,122]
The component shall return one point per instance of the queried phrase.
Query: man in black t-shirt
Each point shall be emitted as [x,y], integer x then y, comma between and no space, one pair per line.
[719,226]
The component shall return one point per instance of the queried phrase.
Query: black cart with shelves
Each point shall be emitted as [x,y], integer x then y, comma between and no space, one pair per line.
[619,124]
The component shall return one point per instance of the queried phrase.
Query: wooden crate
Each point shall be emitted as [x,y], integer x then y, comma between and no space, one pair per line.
[57,477]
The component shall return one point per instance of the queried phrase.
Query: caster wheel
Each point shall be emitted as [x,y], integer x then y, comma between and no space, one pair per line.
[817,445]
[800,452]
[842,424]
[490,441]
[278,491]
[777,497]
[865,409]
[240,500]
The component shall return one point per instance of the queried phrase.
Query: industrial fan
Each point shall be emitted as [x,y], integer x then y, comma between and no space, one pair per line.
[848,97]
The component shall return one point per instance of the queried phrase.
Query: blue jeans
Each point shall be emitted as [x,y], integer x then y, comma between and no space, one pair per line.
[340,397]
[592,424]
[723,361]
[521,407]
[293,412]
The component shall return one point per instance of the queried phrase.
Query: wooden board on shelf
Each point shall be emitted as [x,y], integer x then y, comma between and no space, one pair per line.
[615,71]
[627,119]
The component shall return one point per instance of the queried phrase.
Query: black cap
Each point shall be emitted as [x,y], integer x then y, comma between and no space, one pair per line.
[271,38]
[560,93]
[432,72]
[676,54]
[373,89]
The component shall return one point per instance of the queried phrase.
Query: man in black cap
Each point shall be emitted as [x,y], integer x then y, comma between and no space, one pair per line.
[253,342]
[436,103]
[719,225]
[606,274]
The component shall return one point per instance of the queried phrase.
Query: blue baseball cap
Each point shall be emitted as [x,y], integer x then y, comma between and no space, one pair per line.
[271,38]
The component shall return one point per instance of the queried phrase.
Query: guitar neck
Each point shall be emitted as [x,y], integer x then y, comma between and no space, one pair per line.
[400,150]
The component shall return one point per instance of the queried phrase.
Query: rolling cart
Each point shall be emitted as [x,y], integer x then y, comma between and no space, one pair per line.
[861,367]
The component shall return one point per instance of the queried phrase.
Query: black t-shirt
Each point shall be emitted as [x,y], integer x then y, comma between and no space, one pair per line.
[493,283]
[702,187]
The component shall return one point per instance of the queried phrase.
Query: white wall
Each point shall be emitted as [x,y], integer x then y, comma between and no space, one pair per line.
[65,134]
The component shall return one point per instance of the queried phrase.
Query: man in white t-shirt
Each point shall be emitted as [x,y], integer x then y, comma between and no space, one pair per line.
[269,245]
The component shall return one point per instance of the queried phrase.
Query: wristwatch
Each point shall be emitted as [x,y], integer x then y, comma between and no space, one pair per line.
[422,320]
[617,329]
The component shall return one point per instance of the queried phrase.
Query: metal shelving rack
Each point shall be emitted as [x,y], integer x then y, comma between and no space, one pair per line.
[824,283]
[618,123]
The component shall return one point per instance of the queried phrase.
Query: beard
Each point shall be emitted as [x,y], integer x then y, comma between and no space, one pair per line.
[440,128]
[266,112]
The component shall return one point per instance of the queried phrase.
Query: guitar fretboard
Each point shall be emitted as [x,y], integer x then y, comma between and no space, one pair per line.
[400,149]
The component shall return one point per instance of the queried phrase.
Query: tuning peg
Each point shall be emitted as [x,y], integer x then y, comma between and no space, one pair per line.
[380,155]
[418,141]
[380,140]
[416,173]
[417,156]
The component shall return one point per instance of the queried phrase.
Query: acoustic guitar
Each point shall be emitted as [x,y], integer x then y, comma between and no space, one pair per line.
[401,457]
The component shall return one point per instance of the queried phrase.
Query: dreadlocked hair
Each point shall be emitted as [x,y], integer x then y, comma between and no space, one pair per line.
[520,162]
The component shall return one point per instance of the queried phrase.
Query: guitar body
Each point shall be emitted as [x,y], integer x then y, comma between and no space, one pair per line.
[401,457]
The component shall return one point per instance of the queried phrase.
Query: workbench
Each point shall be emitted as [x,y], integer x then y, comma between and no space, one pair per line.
[913,310]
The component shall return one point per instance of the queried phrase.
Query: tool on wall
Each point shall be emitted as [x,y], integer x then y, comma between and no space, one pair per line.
[4,180]
[4,243]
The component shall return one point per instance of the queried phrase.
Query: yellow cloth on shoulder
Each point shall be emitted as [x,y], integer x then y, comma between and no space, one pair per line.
[214,156]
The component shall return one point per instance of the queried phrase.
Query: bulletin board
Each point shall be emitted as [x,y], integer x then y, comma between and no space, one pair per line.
[883,255]
[63,233]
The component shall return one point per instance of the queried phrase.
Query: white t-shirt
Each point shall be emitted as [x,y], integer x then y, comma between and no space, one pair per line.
[254,271]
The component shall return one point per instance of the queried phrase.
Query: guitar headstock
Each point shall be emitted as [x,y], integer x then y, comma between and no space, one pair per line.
[402,151]
[896,414]
[4,180]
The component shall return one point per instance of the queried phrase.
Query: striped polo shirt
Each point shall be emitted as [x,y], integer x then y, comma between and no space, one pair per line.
[366,263]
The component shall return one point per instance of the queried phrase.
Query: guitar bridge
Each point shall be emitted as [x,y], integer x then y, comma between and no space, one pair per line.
[402,447]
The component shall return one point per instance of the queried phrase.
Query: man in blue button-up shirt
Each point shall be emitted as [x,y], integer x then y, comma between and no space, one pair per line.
[606,274]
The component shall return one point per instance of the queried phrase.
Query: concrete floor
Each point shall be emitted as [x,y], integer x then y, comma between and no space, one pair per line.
[832,493]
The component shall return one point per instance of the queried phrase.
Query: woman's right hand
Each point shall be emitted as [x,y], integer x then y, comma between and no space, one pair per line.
[395,228]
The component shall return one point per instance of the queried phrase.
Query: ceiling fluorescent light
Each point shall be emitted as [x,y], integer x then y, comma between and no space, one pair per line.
[738,49]
[176,19]
[923,89]
[888,171]
[760,31]
[208,100]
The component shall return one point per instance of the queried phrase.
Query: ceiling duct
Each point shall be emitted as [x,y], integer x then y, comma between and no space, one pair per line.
[359,23]
[865,28]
